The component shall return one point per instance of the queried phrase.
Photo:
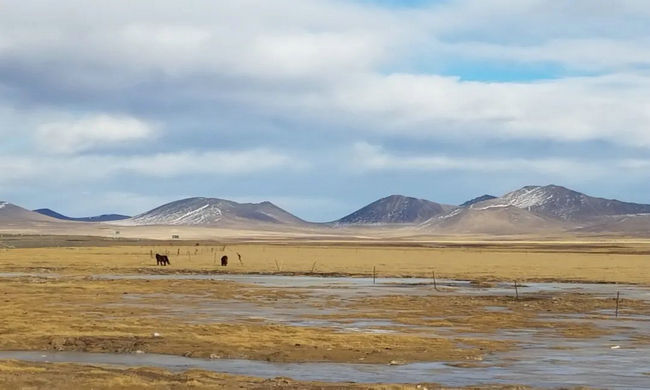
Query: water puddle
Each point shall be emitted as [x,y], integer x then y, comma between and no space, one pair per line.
[10,275]
[411,286]
[600,367]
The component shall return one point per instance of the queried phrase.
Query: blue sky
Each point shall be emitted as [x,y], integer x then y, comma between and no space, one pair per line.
[320,106]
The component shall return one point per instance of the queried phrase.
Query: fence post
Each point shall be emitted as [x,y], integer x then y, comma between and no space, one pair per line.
[516,291]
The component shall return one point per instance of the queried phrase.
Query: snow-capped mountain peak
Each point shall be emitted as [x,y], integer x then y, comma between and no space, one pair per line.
[213,211]
[563,203]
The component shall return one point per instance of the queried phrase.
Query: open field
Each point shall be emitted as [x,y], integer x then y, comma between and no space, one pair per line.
[617,261]
[91,295]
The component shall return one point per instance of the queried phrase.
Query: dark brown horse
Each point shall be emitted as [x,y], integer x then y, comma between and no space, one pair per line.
[162,260]
[224,261]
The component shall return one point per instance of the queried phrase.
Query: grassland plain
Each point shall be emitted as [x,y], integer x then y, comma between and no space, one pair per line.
[57,303]
[617,261]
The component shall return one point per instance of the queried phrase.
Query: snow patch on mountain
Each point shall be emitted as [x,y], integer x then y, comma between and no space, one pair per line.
[496,206]
[563,203]
[213,211]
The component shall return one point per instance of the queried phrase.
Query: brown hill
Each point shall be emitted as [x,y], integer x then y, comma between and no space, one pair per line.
[497,220]
[15,216]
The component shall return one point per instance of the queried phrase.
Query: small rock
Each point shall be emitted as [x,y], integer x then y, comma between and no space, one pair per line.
[214,356]
[616,347]
[394,363]
[156,334]
[139,352]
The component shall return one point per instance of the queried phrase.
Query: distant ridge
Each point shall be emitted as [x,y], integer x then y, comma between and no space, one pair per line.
[99,218]
[481,198]
[562,203]
[12,215]
[494,220]
[214,211]
[394,209]
[546,209]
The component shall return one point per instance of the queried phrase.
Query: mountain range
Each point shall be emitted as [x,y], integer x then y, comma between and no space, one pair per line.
[99,218]
[531,209]
[559,202]
[395,209]
[213,211]
[12,215]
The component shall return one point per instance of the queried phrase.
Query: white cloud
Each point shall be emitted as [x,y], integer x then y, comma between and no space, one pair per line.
[214,162]
[84,168]
[368,157]
[90,132]
[610,108]
[320,61]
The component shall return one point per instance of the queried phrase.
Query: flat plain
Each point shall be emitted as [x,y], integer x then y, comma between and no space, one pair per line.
[362,305]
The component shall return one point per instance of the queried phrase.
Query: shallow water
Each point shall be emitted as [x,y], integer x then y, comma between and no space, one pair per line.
[540,360]
[412,286]
[9,275]
[596,366]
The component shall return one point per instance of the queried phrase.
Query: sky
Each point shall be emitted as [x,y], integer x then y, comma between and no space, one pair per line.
[320,106]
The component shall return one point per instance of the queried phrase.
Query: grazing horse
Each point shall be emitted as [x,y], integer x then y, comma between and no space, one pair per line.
[162,260]
[224,261]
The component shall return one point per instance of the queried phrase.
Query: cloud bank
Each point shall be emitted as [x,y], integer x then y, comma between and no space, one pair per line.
[279,91]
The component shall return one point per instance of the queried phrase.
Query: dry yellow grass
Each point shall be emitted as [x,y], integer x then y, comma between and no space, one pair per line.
[592,262]
[76,312]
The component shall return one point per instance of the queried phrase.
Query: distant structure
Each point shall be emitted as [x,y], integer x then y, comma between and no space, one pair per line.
[175,237]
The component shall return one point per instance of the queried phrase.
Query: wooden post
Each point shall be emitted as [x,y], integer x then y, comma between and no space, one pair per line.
[435,285]
[374,275]
[516,291]
[618,296]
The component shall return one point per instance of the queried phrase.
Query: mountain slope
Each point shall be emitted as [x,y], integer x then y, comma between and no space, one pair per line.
[395,209]
[636,225]
[494,220]
[99,218]
[212,211]
[564,204]
[481,198]
[12,215]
